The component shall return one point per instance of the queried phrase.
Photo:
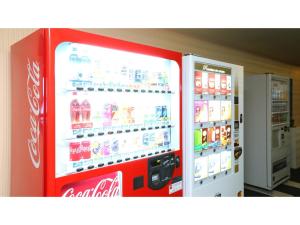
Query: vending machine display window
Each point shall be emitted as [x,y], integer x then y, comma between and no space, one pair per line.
[113,106]
[280,101]
[212,120]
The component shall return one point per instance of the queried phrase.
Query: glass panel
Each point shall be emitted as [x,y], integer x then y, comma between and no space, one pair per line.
[279,90]
[112,106]
[280,107]
[213,113]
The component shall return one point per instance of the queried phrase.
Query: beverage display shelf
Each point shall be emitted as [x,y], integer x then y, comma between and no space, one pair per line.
[120,130]
[279,124]
[279,100]
[113,160]
[212,150]
[211,124]
[211,178]
[280,112]
[208,97]
[119,90]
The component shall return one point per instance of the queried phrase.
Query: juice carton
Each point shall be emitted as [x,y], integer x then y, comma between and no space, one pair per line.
[217,135]
[223,84]
[214,164]
[204,138]
[211,83]
[198,140]
[204,82]
[223,136]
[225,160]
[225,110]
[198,82]
[211,137]
[217,83]
[201,168]
[201,111]
[228,86]
[214,111]
[228,134]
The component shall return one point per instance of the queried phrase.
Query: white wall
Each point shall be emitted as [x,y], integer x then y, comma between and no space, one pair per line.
[163,38]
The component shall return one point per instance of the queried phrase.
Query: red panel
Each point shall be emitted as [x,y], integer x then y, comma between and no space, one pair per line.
[130,169]
[27,158]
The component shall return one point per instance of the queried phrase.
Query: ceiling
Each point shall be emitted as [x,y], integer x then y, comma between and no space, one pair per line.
[278,44]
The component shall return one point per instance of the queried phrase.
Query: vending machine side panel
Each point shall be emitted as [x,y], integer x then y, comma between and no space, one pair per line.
[239,144]
[28,121]
[256,168]
[188,135]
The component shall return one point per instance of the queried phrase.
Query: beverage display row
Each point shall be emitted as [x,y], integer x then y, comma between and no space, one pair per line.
[279,90]
[280,107]
[212,83]
[98,149]
[211,165]
[279,118]
[118,144]
[212,111]
[83,115]
[88,69]
[212,137]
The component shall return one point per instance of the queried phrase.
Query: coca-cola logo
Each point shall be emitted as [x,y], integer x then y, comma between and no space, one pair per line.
[33,95]
[105,187]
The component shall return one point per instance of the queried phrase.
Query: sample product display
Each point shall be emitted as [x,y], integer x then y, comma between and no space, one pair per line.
[213,125]
[100,117]
[268,130]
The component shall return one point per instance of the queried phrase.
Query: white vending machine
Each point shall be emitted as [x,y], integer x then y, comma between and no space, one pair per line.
[213,127]
[267,122]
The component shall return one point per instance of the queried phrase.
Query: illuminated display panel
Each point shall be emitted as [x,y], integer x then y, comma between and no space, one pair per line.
[212,120]
[112,106]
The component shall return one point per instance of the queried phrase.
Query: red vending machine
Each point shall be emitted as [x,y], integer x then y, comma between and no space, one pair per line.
[94,116]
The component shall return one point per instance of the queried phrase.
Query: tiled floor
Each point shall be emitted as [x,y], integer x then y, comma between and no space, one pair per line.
[290,188]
